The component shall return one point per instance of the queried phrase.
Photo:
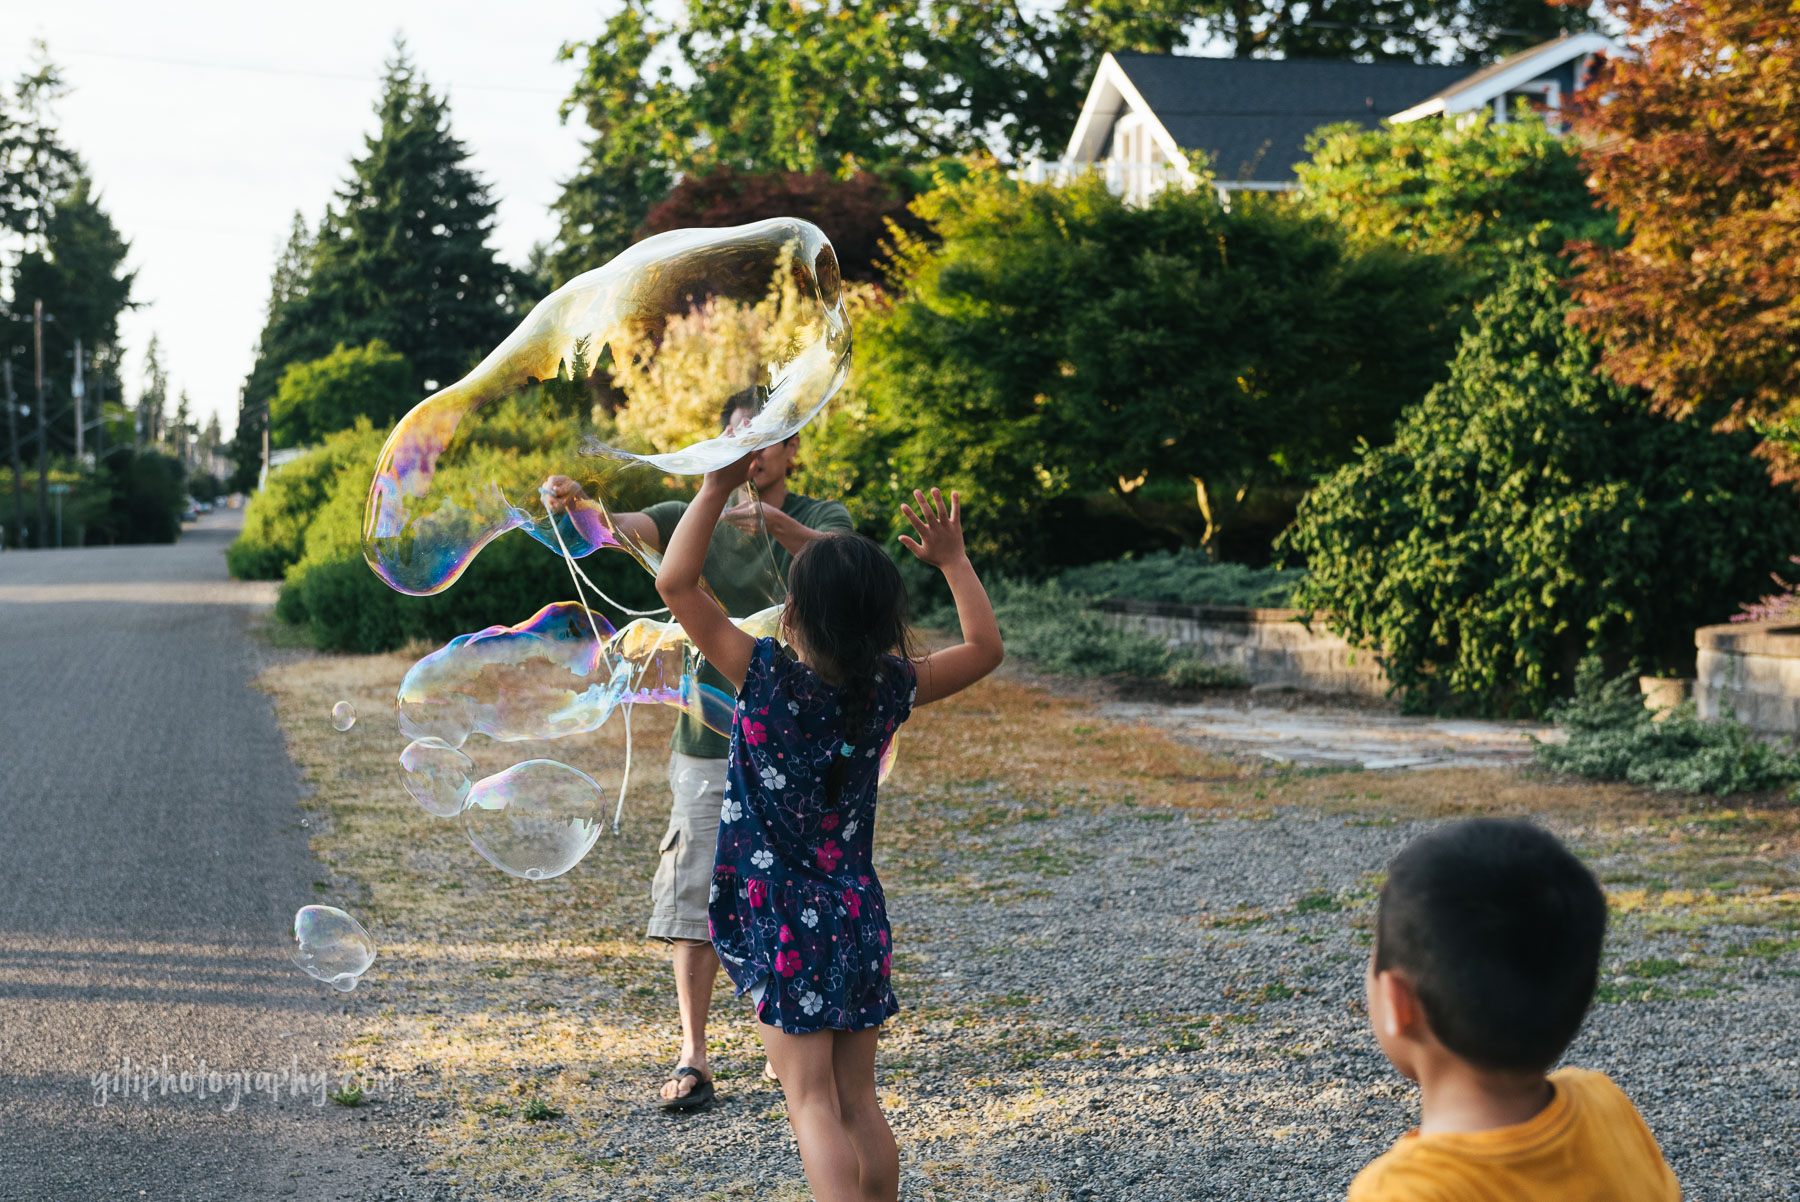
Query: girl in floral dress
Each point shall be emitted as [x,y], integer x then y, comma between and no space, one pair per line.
[798,916]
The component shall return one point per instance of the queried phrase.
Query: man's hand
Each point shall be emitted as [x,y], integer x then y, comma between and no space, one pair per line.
[747,517]
[940,541]
[560,493]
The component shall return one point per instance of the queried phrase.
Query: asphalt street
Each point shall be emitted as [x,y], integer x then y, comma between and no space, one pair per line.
[151,860]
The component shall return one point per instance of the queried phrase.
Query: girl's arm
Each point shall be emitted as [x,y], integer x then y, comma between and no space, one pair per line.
[678,579]
[940,544]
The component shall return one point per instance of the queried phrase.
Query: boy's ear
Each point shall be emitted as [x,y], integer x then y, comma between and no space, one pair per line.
[1400,1007]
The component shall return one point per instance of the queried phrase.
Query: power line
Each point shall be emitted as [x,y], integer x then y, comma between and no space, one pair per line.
[292,72]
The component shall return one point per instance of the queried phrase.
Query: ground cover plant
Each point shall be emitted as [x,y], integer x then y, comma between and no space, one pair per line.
[1612,736]
[1188,577]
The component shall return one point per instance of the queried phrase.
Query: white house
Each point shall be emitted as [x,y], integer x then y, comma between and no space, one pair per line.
[1145,113]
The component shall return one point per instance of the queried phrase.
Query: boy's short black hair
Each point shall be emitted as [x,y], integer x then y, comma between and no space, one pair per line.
[1499,928]
[752,398]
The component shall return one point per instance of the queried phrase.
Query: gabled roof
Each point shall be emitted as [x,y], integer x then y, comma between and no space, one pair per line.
[1252,116]
[1482,87]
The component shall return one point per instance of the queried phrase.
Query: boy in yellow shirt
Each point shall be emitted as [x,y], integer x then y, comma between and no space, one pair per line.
[1487,951]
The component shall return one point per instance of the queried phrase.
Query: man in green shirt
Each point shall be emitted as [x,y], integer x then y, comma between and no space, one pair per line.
[747,572]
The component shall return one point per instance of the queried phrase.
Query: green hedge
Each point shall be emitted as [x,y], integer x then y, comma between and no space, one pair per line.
[306,526]
[278,518]
[1184,577]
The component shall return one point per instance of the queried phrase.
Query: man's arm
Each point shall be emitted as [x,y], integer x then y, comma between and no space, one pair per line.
[790,532]
[562,494]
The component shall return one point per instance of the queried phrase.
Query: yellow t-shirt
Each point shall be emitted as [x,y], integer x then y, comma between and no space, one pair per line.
[1588,1145]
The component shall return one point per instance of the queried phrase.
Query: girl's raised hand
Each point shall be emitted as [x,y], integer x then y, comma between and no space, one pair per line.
[732,475]
[940,540]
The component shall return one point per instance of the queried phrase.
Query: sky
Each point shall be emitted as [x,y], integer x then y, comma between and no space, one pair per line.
[206,125]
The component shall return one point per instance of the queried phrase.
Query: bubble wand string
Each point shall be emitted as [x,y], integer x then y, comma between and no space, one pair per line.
[599,649]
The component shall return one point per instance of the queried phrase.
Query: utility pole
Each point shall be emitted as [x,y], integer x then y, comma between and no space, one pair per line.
[12,430]
[265,472]
[100,407]
[37,339]
[76,390]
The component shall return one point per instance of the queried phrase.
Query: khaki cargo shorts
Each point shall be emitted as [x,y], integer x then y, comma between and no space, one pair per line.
[683,881]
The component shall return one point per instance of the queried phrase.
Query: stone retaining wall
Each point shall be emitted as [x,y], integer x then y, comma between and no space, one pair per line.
[1751,670]
[1269,646]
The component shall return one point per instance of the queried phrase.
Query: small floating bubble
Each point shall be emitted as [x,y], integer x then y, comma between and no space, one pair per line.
[331,946]
[437,776]
[343,715]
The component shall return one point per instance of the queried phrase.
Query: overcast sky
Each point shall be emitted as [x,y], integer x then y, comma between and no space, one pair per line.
[206,125]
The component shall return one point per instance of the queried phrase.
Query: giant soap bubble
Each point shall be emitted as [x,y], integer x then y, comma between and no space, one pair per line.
[645,359]
[658,339]
[332,946]
[535,820]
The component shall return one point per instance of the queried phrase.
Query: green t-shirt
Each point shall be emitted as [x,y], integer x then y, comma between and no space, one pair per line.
[746,574]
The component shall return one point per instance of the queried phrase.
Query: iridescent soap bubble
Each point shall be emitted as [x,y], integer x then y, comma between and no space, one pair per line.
[547,677]
[690,783]
[658,339]
[535,820]
[332,946]
[437,776]
[343,715]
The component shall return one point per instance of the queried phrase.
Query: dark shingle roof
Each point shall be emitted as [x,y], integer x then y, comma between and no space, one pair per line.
[1253,115]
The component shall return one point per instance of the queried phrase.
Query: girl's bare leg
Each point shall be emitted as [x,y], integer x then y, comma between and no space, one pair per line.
[807,1068]
[878,1160]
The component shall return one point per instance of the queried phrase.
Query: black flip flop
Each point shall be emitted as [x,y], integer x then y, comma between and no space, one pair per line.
[693,1099]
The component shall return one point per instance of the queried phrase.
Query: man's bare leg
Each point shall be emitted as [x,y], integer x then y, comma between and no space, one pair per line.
[696,968]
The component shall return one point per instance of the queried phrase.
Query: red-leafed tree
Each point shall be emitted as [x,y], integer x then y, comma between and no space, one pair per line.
[853,212]
[1695,142]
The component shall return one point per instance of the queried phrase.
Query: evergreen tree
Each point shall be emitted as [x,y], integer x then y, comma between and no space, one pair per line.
[154,397]
[402,256]
[78,271]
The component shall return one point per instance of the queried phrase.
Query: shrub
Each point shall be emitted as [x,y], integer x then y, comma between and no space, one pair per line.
[329,588]
[276,521]
[322,395]
[1479,193]
[1056,349]
[1183,577]
[1192,672]
[1053,630]
[147,497]
[1611,736]
[1530,513]
[854,212]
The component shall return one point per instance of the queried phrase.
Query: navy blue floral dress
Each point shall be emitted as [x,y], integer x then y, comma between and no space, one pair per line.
[794,898]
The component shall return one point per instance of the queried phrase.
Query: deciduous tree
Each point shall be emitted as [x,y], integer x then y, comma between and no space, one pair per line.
[1695,141]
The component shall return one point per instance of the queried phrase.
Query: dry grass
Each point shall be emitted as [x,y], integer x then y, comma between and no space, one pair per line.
[493,996]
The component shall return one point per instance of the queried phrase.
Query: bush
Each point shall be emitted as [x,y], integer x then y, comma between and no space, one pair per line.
[1192,672]
[1529,513]
[854,213]
[1054,631]
[1183,577]
[1479,193]
[276,522]
[1095,377]
[322,395]
[1611,736]
[310,517]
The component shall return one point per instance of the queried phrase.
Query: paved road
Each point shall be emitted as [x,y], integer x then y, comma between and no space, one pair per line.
[151,860]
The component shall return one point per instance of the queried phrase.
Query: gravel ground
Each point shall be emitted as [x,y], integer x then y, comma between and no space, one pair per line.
[1146,1003]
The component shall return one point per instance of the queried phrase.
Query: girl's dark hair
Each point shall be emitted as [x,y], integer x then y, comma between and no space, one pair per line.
[847,603]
